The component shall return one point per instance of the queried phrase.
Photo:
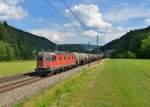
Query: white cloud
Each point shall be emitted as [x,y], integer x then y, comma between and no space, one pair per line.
[147,20]
[77,35]
[115,33]
[54,35]
[90,33]
[91,16]
[120,28]
[74,33]
[10,10]
[127,13]
[10,2]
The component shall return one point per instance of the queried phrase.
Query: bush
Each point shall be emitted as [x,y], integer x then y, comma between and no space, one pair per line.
[6,51]
[131,55]
[119,53]
[144,51]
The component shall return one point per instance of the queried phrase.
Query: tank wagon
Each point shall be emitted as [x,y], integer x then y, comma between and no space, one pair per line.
[56,61]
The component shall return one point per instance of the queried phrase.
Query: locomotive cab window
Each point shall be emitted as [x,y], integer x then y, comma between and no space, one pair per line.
[49,58]
[54,58]
[40,58]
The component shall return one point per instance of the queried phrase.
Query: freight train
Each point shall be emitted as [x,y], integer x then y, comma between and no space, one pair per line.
[59,61]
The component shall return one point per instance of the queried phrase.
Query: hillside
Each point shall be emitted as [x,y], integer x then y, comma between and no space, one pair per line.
[75,47]
[18,44]
[131,45]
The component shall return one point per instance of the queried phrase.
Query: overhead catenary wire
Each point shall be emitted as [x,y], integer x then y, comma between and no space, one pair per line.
[67,19]
[78,19]
[60,13]
[75,16]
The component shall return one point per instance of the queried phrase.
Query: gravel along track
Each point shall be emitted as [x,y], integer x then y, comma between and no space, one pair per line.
[12,92]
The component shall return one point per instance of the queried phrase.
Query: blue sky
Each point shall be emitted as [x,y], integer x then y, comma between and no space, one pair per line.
[109,19]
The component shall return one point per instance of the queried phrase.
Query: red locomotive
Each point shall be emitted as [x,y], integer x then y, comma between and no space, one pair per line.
[52,61]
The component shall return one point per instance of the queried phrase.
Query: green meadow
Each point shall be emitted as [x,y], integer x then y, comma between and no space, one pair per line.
[113,83]
[16,67]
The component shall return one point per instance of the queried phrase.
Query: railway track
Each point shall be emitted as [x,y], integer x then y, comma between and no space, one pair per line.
[17,84]
[15,77]
[11,78]
[12,82]
[19,81]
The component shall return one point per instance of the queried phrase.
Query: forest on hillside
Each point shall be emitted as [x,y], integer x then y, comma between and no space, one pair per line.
[134,44]
[16,44]
[82,48]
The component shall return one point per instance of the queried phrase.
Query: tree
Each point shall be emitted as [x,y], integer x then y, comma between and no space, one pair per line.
[131,55]
[5,24]
[6,51]
[145,48]
[119,53]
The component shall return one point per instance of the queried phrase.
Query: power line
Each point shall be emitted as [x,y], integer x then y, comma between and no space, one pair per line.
[75,16]
[60,13]
[51,5]
[68,7]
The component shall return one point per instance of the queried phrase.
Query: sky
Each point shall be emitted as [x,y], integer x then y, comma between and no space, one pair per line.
[109,19]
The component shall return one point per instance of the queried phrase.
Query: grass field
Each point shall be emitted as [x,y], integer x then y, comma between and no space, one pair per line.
[16,67]
[114,83]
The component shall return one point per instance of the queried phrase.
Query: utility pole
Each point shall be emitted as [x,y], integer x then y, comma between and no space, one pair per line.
[88,53]
[98,48]
[56,46]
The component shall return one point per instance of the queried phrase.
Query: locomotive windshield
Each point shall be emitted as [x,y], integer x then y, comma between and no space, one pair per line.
[45,58]
[48,58]
[40,58]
